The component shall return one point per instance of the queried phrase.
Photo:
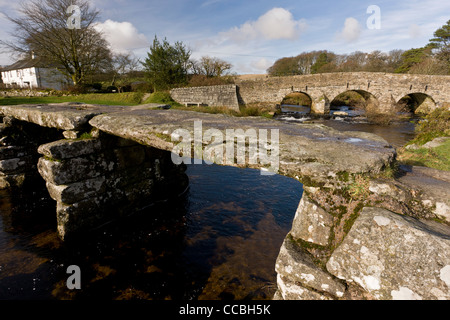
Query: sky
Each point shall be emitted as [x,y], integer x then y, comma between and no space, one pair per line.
[252,35]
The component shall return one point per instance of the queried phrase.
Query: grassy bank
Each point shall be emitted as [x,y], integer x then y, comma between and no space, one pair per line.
[125,99]
[435,125]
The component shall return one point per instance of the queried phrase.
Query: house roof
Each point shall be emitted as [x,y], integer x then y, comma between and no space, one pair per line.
[27,63]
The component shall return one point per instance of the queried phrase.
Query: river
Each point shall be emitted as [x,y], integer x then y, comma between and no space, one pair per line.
[219,240]
[397,134]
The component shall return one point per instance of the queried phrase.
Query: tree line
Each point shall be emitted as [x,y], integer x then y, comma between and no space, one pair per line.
[434,58]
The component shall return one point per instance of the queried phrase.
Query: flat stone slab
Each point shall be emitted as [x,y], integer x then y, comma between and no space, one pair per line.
[312,150]
[395,257]
[64,149]
[64,116]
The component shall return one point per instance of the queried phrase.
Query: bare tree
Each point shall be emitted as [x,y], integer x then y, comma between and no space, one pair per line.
[44,27]
[211,66]
[121,65]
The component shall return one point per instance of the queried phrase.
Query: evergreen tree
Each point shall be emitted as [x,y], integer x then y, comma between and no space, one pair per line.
[166,65]
[412,57]
[441,44]
[322,61]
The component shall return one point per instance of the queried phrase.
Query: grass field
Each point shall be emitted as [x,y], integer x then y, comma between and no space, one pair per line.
[123,99]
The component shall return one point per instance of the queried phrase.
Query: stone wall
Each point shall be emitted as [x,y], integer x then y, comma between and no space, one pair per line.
[214,96]
[98,179]
[24,93]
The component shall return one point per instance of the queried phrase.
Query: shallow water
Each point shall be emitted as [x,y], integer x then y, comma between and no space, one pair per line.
[397,134]
[218,241]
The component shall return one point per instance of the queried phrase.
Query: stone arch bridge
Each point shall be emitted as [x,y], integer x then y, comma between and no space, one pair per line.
[382,91]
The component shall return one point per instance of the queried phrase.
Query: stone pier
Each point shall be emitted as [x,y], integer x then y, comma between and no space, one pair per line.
[95,180]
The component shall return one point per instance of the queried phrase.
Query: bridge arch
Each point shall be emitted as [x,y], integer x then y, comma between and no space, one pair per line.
[416,103]
[297,101]
[354,102]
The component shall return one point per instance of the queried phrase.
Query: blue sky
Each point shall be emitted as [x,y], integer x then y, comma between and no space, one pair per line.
[253,34]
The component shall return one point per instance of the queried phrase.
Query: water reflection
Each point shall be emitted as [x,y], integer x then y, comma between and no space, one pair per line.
[218,241]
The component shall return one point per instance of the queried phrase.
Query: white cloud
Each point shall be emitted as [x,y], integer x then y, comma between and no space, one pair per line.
[277,23]
[209,2]
[122,36]
[351,31]
[261,65]
[415,31]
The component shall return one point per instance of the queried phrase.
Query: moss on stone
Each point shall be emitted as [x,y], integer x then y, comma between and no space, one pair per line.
[308,247]
[343,176]
[52,159]
[348,224]
[309,182]
[162,136]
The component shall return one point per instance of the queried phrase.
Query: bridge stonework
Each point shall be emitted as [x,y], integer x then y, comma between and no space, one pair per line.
[386,89]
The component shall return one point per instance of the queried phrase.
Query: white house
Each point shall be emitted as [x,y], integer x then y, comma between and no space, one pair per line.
[32,73]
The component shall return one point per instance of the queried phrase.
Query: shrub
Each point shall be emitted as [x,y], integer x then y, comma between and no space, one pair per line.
[76,89]
[434,125]
[141,87]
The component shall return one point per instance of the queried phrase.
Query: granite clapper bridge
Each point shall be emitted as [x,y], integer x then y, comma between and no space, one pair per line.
[100,162]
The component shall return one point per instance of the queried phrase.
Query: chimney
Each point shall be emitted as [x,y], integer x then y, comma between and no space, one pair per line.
[33,56]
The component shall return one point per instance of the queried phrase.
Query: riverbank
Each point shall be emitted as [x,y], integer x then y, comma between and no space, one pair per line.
[431,146]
